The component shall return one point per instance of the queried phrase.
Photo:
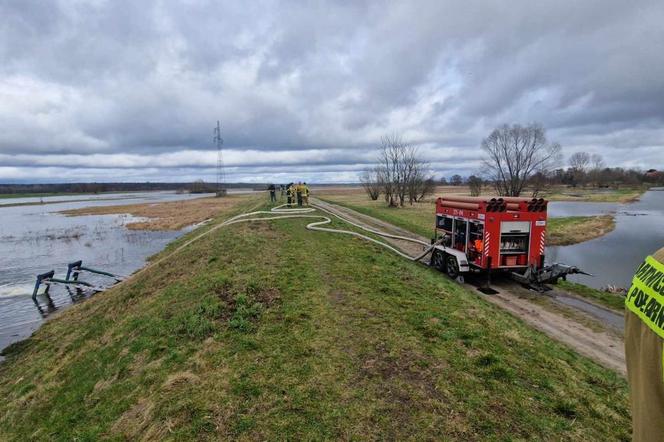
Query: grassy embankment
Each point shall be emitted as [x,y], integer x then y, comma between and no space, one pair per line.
[269,331]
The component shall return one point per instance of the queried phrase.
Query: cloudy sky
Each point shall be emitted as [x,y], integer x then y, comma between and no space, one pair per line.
[130,90]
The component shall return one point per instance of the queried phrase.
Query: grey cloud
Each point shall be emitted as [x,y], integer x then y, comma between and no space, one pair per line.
[140,79]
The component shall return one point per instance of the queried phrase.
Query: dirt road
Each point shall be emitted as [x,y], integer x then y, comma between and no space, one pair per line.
[595,337]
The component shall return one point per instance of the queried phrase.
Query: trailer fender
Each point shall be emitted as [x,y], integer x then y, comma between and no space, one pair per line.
[461,259]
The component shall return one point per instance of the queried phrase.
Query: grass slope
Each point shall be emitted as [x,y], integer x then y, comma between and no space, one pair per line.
[268,331]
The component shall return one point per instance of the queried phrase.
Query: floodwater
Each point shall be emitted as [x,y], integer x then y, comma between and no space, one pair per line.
[613,258]
[35,239]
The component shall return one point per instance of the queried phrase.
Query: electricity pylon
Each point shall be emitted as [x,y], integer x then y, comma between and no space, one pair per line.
[221,174]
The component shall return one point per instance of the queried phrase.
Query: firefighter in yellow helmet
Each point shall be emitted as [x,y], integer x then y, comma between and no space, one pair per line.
[305,194]
[644,339]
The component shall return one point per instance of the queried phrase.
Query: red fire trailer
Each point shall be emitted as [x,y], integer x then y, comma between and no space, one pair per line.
[494,234]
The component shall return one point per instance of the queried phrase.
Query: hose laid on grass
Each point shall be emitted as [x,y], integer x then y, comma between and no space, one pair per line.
[286,214]
[304,212]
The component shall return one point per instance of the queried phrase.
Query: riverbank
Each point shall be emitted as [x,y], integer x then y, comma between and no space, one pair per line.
[229,338]
[171,215]
[622,195]
[614,301]
[570,230]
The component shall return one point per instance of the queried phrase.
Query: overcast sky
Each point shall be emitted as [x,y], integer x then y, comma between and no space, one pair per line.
[131,90]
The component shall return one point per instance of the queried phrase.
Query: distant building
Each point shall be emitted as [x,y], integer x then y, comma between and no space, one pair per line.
[653,175]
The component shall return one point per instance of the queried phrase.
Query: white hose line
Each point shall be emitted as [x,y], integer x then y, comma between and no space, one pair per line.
[302,213]
[297,213]
[377,232]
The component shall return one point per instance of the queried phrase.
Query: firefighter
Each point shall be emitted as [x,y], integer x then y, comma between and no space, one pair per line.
[298,193]
[644,339]
[289,194]
[273,193]
[305,194]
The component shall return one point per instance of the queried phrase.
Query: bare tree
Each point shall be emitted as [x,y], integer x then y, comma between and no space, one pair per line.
[595,172]
[537,182]
[401,171]
[515,153]
[456,180]
[597,161]
[475,183]
[370,179]
[578,164]
[395,156]
[427,188]
[420,185]
[579,161]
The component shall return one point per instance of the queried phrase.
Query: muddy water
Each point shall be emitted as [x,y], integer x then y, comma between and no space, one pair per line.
[612,258]
[35,239]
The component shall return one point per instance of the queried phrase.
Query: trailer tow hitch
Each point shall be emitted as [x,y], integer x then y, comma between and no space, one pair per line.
[537,278]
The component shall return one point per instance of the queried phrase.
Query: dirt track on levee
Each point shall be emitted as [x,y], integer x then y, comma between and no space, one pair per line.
[597,336]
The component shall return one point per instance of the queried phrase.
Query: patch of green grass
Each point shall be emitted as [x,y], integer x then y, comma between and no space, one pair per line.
[270,331]
[610,300]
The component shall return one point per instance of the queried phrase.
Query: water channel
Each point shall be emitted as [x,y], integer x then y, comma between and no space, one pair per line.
[612,258]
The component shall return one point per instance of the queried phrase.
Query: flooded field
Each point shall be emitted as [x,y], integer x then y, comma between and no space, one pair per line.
[36,238]
[612,258]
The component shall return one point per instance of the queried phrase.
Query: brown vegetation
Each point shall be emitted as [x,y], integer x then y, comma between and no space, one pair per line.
[171,215]
[575,229]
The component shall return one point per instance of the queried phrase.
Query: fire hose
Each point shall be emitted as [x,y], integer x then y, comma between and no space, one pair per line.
[304,212]
[289,213]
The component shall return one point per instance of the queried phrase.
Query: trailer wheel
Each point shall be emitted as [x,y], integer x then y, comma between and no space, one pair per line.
[438,260]
[452,267]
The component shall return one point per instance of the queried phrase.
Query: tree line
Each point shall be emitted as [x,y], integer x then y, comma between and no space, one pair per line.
[199,186]
[517,160]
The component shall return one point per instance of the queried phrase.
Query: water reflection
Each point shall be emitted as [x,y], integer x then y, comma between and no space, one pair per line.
[612,258]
